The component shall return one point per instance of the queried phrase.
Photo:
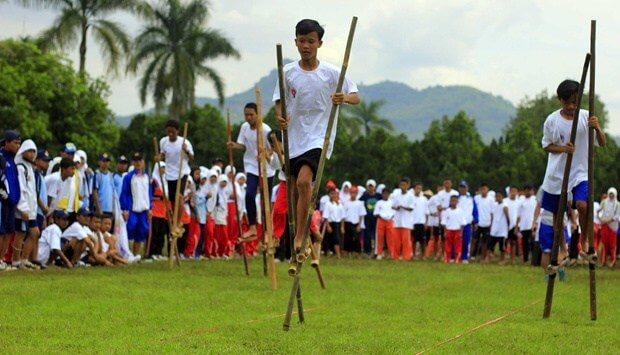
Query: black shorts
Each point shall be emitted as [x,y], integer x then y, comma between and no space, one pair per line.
[512,235]
[7,220]
[432,231]
[496,240]
[482,233]
[418,233]
[310,158]
[23,226]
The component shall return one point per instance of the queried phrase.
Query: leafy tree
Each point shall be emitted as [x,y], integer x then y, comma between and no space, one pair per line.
[46,100]
[366,115]
[172,51]
[77,18]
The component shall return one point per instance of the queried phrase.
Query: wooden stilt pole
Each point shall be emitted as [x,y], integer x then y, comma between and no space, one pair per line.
[177,230]
[290,196]
[234,186]
[558,228]
[299,258]
[591,132]
[265,198]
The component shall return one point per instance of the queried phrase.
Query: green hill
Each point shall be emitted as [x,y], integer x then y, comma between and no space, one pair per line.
[410,110]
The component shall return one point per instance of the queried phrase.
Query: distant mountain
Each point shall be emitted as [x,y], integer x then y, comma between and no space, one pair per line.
[410,110]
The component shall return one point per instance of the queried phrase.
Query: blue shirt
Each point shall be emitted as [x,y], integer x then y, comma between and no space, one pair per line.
[42,189]
[104,184]
[10,179]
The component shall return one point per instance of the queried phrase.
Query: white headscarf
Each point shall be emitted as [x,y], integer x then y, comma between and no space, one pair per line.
[612,190]
[158,178]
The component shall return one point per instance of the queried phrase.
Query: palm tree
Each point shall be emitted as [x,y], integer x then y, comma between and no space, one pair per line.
[367,115]
[77,17]
[172,50]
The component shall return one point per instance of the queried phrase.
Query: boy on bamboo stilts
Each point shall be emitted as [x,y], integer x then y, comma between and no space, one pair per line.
[247,143]
[556,141]
[310,93]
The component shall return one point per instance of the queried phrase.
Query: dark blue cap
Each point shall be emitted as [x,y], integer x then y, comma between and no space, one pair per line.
[84,211]
[61,214]
[43,154]
[11,135]
[104,157]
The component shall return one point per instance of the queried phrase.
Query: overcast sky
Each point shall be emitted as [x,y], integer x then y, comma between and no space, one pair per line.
[509,48]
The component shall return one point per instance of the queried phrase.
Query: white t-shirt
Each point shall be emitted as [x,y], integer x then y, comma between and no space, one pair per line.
[557,131]
[484,205]
[384,209]
[50,240]
[353,210]
[433,212]
[248,137]
[453,219]
[513,211]
[334,212]
[610,209]
[420,211]
[499,225]
[63,193]
[597,207]
[466,205]
[308,105]
[526,213]
[444,197]
[402,217]
[172,150]
[75,230]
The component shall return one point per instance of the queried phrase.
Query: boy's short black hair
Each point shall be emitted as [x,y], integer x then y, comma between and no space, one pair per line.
[329,191]
[484,184]
[66,163]
[500,192]
[528,186]
[106,216]
[173,124]
[567,88]
[418,183]
[405,179]
[306,26]
[251,105]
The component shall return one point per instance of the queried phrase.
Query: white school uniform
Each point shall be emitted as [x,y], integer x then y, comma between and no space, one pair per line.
[75,230]
[403,218]
[172,150]
[384,209]
[556,130]
[484,205]
[308,103]
[527,209]
[513,211]
[499,225]
[334,212]
[248,138]
[353,210]
[49,241]
[453,219]
[420,211]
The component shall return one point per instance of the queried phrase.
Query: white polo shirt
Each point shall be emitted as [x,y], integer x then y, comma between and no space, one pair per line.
[50,240]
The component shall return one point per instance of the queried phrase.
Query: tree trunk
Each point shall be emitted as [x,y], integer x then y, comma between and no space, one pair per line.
[83,47]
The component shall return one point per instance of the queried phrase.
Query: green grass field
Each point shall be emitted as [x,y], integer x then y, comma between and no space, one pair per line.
[369,306]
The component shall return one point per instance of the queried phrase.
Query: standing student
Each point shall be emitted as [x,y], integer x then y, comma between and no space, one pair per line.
[67,151]
[434,227]
[556,141]
[500,222]
[403,205]
[453,220]
[41,164]
[609,214]
[136,202]
[220,214]
[10,193]
[334,217]
[512,202]
[26,214]
[171,147]
[122,166]
[247,142]
[467,205]
[385,227]
[354,212]
[420,219]
[526,223]
[159,215]
[310,94]
[103,186]
[482,229]
[370,197]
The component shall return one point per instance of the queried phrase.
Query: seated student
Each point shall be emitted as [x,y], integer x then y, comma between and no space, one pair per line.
[97,250]
[49,243]
[110,240]
[75,238]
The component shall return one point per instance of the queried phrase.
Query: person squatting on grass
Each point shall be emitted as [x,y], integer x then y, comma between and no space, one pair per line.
[310,93]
